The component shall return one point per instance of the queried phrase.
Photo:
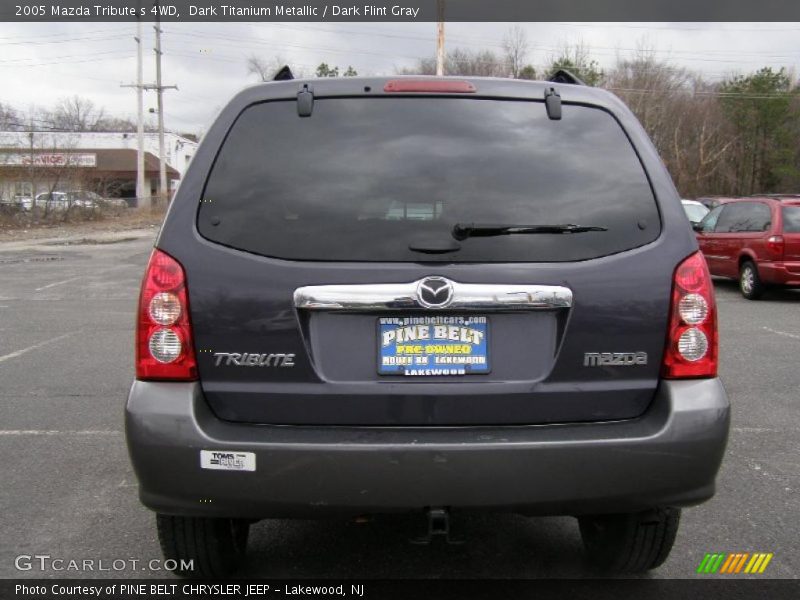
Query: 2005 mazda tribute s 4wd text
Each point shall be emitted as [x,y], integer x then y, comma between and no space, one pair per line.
[426,294]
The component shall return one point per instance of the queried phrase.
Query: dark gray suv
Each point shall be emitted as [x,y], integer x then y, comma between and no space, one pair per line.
[425,294]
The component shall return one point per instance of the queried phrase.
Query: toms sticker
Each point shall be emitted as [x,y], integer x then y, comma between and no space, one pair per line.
[225,460]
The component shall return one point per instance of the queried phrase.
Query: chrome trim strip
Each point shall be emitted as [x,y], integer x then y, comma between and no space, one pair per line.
[466,296]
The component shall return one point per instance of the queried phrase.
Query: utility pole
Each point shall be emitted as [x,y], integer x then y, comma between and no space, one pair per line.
[143,187]
[440,38]
[31,170]
[142,192]
[163,190]
[142,195]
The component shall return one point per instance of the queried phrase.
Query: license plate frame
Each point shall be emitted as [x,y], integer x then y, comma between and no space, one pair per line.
[433,346]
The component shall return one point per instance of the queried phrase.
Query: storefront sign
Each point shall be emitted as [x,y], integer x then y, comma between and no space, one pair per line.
[52,159]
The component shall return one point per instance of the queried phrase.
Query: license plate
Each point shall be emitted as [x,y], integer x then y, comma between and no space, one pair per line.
[433,346]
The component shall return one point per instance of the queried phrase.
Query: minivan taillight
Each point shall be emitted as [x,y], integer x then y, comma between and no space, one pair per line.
[164,348]
[776,245]
[692,343]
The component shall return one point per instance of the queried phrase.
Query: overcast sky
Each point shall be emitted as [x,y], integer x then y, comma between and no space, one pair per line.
[41,62]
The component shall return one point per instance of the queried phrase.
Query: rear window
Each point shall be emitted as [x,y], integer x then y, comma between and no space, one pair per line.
[791,219]
[363,178]
[695,212]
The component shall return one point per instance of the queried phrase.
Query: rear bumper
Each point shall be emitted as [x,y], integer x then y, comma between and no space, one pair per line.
[667,457]
[780,273]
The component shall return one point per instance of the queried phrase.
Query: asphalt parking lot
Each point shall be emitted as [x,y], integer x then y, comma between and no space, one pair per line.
[66,361]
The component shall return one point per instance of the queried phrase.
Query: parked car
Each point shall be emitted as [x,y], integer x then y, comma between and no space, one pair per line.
[755,240]
[534,332]
[710,201]
[93,200]
[16,204]
[113,203]
[79,199]
[52,201]
[695,211]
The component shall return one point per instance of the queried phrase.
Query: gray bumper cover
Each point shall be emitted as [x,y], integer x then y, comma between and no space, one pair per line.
[667,457]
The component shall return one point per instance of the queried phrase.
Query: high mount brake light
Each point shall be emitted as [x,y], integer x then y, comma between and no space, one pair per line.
[692,341]
[437,86]
[164,346]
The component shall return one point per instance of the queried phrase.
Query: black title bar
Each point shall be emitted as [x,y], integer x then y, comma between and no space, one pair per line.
[400,10]
[545,589]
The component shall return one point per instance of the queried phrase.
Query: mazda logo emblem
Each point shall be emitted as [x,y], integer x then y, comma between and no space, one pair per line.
[435,292]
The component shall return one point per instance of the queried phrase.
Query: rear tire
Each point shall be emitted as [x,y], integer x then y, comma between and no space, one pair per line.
[629,543]
[216,547]
[749,282]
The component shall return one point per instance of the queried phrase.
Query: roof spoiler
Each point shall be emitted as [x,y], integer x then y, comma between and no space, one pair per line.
[283,74]
[564,76]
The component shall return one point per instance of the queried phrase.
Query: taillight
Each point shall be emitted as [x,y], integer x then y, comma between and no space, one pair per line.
[775,244]
[164,348]
[692,343]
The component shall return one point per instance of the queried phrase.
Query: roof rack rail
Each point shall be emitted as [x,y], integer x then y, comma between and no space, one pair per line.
[564,76]
[777,196]
[283,74]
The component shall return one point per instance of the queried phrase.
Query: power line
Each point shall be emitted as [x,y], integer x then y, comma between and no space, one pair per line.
[677,26]
[20,37]
[592,50]
[484,42]
[17,60]
[710,93]
[65,41]
[71,62]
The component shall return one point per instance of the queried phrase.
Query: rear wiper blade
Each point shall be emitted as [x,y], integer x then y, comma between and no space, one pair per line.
[462,231]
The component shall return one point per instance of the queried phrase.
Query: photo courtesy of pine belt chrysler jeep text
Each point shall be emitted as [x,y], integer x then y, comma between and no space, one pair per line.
[426,294]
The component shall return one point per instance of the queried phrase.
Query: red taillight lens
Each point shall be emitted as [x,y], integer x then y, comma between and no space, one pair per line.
[164,348]
[776,244]
[438,86]
[692,341]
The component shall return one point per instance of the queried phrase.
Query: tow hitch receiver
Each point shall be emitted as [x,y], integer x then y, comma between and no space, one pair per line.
[438,525]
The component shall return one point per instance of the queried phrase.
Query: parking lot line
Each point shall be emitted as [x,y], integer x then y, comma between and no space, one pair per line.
[93,274]
[17,353]
[784,333]
[44,287]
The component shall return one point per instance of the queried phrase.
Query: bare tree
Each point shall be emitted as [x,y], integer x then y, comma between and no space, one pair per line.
[265,69]
[76,113]
[702,142]
[9,119]
[577,59]
[515,46]
[649,87]
[43,161]
[480,63]
[115,124]
[681,113]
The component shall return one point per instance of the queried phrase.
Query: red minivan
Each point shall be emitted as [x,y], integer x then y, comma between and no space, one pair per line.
[755,240]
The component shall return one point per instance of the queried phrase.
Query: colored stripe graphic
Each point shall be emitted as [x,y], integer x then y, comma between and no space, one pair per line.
[741,562]
[703,563]
[754,563]
[725,563]
[714,562]
[767,558]
[728,562]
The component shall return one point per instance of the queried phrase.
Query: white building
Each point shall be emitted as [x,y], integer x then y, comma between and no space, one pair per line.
[177,149]
[92,157]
